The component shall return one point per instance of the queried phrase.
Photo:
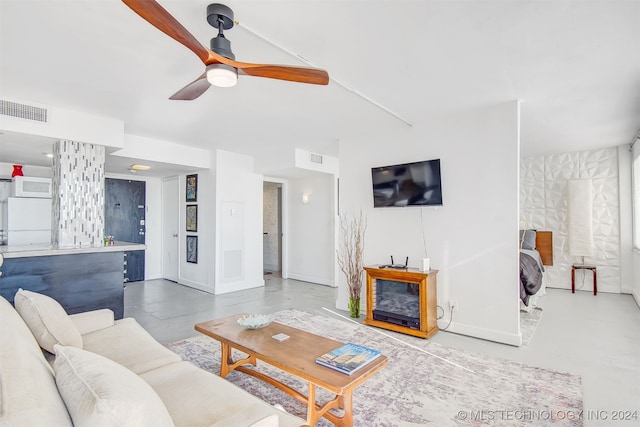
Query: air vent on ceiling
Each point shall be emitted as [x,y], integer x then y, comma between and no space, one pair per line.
[315,158]
[23,111]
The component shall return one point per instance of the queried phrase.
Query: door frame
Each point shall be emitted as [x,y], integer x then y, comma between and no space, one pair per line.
[284,235]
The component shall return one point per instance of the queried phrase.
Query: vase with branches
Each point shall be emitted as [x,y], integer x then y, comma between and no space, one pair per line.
[350,250]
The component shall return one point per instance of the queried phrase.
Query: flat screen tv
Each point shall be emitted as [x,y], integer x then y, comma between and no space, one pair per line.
[409,184]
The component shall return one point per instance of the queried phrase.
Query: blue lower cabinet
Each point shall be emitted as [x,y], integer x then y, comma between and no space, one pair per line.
[79,282]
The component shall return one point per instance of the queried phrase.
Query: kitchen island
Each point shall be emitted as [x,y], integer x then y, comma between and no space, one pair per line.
[79,278]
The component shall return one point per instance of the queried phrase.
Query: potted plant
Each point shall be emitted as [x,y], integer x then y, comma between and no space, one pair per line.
[352,229]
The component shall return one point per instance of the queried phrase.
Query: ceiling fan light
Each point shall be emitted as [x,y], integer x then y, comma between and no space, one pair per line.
[222,75]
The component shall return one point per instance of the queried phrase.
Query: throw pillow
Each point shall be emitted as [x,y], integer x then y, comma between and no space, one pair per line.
[528,239]
[270,421]
[49,322]
[99,392]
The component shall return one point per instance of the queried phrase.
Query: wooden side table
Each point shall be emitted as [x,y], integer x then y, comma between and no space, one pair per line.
[575,267]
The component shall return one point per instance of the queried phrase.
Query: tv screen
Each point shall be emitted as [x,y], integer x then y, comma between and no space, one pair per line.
[409,184]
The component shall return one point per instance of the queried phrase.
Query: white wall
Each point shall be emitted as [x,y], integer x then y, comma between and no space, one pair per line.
[635,290]
[635,287]
[328,164]
[157,150]
[202,274]
[472,239]
[153,223]
[238,237]
[311,251]
[68,124]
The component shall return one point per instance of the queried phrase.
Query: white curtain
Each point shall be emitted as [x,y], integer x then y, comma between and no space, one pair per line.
[580,218]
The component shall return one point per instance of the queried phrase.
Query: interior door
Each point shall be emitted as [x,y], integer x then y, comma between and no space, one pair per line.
[125,210]
[170,229]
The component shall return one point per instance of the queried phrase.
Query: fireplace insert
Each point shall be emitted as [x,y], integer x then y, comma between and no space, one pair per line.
[397,302]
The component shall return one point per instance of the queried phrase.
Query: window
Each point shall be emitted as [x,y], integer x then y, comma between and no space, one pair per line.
[635,155]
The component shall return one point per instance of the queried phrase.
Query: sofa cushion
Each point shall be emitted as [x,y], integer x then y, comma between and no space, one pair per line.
[270,421]
[28,392]
[90,321]
[128,344]
[48,321]
[99,392]
[217,403]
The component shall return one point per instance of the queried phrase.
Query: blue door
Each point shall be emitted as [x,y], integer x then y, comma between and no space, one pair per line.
[125,207]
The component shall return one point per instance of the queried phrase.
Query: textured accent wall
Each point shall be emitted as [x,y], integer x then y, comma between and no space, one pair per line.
[77,194]
[543,205]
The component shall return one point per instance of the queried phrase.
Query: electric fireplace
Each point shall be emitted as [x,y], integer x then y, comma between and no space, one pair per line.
[402,300]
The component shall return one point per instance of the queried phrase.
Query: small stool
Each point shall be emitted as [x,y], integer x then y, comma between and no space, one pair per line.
[575,267]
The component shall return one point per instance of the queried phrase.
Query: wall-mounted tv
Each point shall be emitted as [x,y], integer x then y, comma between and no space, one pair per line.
[409,184]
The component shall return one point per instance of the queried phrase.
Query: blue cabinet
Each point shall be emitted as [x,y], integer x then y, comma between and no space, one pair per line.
[79,282]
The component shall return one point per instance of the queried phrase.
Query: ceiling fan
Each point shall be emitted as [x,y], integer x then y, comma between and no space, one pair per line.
[221,67]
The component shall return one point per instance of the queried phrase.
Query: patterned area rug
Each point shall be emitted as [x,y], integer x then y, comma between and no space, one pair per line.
[529,323]
[423,384]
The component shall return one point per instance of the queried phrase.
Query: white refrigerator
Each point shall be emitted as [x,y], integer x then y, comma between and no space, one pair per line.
[28,221]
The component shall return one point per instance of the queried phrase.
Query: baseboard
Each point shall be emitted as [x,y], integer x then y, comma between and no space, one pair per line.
[636,296]
[153,276]
[486,334]
[196,285]
[225,288]
[312,279]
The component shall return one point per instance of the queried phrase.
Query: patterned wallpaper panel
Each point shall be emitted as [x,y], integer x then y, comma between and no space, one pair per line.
[543,205]
[78,194]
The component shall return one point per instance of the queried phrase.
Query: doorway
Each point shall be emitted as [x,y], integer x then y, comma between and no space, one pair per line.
[272,243]
[124,219]
[170,229]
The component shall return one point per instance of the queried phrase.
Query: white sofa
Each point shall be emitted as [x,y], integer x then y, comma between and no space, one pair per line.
[108,372]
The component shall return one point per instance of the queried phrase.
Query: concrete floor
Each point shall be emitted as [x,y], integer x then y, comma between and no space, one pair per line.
[597,337]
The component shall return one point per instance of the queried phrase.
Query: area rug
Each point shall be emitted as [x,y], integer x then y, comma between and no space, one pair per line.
[529,321]
[423,384]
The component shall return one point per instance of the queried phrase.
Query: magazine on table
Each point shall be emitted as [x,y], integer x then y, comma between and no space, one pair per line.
[348,358]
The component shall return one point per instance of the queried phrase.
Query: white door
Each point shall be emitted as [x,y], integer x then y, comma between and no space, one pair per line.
[170,226]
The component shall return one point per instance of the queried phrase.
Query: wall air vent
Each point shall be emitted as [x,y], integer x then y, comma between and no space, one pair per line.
[315,158]
[23,111]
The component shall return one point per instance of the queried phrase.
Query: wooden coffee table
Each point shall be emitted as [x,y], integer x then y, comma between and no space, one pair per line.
[295,356]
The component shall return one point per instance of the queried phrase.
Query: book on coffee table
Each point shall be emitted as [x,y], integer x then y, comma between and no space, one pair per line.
[348,358]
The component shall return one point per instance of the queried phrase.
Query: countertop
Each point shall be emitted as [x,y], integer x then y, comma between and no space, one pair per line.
[48,250]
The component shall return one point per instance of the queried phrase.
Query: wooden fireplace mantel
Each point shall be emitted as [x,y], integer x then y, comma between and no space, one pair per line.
[426,282]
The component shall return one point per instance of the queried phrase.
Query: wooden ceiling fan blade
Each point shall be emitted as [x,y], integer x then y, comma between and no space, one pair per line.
[315,76]
[193,89]
[157,16]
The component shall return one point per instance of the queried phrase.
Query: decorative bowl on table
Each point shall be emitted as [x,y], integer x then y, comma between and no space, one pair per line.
[254,321]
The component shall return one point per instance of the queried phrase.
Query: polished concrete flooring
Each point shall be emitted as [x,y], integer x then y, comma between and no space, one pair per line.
[597,337]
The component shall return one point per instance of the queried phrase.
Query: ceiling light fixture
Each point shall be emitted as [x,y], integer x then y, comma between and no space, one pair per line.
[222,75]
[140,167]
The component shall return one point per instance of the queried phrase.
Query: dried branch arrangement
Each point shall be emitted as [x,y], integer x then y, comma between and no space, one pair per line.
[352,230]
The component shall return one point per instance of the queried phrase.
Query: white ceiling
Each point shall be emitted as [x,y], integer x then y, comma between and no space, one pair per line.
[574,64]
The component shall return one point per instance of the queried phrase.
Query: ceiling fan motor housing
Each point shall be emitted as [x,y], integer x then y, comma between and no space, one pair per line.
[222,46]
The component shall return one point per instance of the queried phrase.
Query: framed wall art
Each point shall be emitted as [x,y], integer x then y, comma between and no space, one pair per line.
[192,188]
[192,249]
[192,218]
